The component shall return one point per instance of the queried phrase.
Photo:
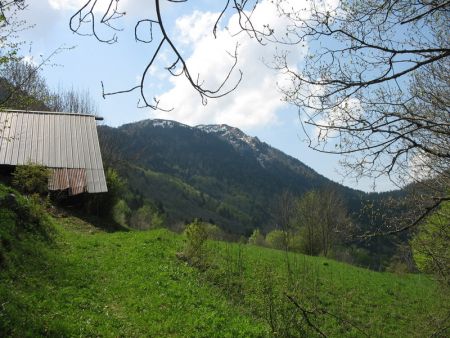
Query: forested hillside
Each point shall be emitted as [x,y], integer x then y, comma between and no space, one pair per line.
[214,172]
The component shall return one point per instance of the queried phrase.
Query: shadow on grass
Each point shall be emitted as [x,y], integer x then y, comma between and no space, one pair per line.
[78,206]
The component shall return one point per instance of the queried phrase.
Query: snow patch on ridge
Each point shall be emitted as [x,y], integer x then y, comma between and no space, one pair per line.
[239,140]
[234,135]
[168,124]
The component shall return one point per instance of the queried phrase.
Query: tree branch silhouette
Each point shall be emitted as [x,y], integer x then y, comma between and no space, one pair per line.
[87,16]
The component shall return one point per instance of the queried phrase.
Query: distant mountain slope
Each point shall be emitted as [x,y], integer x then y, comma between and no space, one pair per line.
[216,172]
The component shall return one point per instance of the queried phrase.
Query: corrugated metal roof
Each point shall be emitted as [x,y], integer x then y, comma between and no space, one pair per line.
[56,140]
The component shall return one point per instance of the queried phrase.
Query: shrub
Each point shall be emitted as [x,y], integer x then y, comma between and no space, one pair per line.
[277,239]
[103,204]
[398,267]
[121,212]
[214,232]
[31,178]
[24,225]
[195,248]
[257,238]
[147,217]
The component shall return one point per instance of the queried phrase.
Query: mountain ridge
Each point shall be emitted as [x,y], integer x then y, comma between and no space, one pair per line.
[240,140]
[215,172]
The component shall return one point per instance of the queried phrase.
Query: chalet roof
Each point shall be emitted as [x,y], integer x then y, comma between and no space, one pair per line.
[55,140]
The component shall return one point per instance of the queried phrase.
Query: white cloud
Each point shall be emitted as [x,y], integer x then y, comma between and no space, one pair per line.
[420,167]
[256,100]
[327,123]
[132,7]
[195,27]
[66,4]
[29,59]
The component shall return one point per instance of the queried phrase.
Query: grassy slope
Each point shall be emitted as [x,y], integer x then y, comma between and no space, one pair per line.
[124,284]
[379,304]
[91,283]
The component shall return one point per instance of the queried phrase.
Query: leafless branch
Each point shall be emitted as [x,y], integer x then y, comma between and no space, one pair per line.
[84,22]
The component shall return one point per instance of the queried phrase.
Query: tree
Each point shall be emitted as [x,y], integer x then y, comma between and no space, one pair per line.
[321,217]
[24,87]
[285,209]
[72,101]
[308,222]
[9,27]
[375,88]
[334,219]
[430,245]
[86,21]
[277,239]
[257,238]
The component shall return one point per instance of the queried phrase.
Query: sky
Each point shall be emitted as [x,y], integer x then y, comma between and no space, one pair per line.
[256,106]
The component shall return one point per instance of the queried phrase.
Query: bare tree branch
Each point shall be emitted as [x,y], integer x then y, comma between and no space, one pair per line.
[84,22]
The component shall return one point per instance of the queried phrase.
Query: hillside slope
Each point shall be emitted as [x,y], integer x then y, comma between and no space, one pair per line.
[82,281]
[216,172]
[72,279]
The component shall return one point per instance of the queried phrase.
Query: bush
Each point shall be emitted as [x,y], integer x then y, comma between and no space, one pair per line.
[121,213]
[103,204]
[214,232]
[277,239]
[31,178]
[398,267]
[147,217]
[24,223]
[195,248]
[257,238]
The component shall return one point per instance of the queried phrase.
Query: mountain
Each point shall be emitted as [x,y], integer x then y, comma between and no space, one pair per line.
[215,172]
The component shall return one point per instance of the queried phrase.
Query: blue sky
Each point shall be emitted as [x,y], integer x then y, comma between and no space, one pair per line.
[256,106]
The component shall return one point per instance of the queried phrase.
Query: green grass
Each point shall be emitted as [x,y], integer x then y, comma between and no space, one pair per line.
[122,284]
[344,301]
[64,277]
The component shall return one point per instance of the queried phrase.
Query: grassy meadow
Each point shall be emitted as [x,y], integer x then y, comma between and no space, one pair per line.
[63,277]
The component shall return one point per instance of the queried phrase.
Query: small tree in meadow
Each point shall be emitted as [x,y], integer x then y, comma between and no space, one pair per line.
[277,239]
[195,249]
[257,238]
[214,232]
[121,212]
[147,217]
